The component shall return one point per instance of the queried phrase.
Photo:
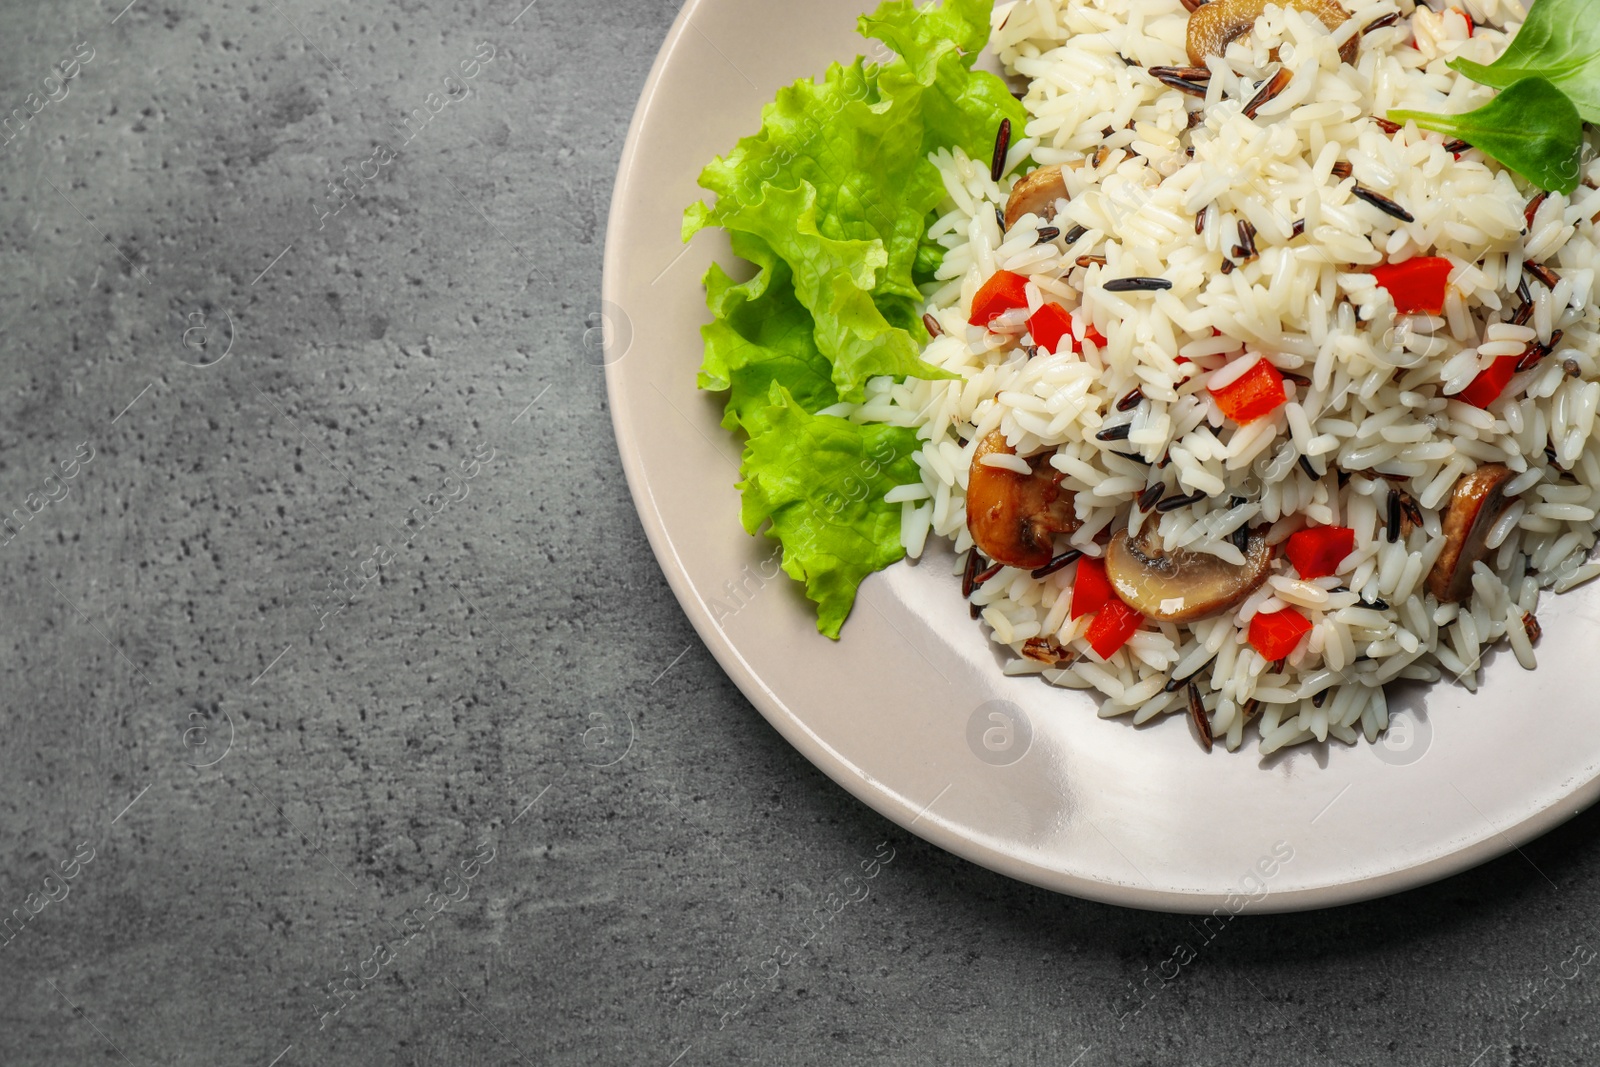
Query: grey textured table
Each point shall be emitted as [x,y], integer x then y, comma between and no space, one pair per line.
[348,718]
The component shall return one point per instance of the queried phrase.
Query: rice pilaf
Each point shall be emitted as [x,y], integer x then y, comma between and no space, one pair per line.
[1199,259]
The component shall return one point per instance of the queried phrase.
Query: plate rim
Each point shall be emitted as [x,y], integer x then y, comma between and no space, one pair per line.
[1494,843]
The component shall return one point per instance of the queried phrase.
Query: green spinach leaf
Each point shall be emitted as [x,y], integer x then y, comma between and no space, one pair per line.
[1531,127]
[1559,42]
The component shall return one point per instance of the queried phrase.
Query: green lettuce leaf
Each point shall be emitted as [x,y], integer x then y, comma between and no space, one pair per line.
[760,333]
[827,510]
[1560,42]
[831,201]
[835,280]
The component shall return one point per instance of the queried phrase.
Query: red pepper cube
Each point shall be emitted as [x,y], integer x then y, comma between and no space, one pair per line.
[998,295]
[1092,334]
[1490,382]
[1317,553]
[1111,628]
[1091,588]
[1276,635]
[1257,392]
[1417,285]
[1049,325]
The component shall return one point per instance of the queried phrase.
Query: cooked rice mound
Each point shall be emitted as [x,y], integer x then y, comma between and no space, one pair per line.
[1159,182]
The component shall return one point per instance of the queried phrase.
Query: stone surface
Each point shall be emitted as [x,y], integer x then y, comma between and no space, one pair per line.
[255,773]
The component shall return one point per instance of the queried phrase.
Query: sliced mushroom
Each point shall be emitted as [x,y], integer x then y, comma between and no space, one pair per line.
[1183,586]
[1214,26]
[1476,504]
[1014,517]
[1036,192]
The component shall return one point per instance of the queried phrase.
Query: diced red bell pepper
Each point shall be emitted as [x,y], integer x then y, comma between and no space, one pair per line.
[1092,334]
[1049,325]
[1317,552]
[1111,628]
[998,295]
[1257,392]
[1417,285]
[1091,588]
[1490,382]
[1276,635]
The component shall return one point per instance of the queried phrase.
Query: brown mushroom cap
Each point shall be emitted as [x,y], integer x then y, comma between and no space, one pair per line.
[1183,586]
[1213,26]
[1036,192]
[1476,504]
[1014,517]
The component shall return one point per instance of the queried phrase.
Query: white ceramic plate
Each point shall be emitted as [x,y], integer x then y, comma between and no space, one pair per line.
[910,710]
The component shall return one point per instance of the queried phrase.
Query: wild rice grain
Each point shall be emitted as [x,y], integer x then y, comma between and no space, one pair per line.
[1377,24]
[1549,277]
[1382,203]
[1172,78]
[1075,233]
[931,324]
[1136,285]
[1535,352]
[1002,145]
[1175,684]
[1061,562]
[1275,85]
[1246,249]
[1411,509]
[1151,496]
[1392,530]
[1311,472]
[969,574]
[1197,712]
[1119,432]
[1173,503]
[1533,209]
[1131,401]
[1047,234]
[1530,625]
